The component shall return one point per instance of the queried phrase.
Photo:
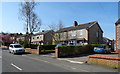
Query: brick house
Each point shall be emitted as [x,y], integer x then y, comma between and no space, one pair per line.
[44,37]
[22,38]
[118,36]
[88,33]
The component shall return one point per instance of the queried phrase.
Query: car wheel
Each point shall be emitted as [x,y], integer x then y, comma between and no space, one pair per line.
[13,52]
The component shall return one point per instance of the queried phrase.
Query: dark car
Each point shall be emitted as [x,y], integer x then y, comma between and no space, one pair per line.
[60,45]
[102,49]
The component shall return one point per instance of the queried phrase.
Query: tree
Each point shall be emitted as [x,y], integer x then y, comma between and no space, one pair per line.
[56,27]
[31,21]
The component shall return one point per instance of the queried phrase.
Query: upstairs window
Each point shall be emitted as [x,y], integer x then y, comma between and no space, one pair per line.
[33,37]
[73,33]
[97,34]
[81,32]
[37,37]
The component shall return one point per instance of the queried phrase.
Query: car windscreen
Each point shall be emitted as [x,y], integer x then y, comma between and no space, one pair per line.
[17,46]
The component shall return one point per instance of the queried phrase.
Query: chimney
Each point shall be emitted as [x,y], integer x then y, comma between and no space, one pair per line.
[43,31]
[75,23]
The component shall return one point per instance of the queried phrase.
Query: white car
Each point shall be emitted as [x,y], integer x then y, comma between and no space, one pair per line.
[16,48]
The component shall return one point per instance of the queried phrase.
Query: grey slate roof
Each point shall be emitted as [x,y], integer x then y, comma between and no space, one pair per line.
[41,33]
[81,26]
[118,22]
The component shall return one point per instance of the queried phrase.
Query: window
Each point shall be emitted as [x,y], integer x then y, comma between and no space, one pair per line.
[81,32]
[17,46]
[11,46]
[33,37]
[73,33]
[37,37]
[97,34]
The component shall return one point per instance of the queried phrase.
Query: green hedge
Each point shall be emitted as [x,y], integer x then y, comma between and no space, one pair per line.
[43,47]
[32,46]
[73,50]
[48,47]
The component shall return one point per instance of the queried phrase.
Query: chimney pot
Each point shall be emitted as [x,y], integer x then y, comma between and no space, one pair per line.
[75,23]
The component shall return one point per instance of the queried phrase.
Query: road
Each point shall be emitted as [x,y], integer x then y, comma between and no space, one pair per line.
[41,63]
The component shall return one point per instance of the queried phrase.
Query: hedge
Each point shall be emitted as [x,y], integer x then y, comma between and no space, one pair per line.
[74,50]
[47,47]
[43,47]
[32,46]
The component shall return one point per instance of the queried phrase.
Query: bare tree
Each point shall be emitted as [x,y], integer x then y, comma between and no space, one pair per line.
[28,15]
[56,28]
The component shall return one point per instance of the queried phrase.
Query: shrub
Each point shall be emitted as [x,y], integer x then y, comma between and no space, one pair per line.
[73,50]
[27,45]
[48,47]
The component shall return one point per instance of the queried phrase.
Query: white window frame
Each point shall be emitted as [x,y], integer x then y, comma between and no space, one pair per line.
[97,34]
[81,32]
[73,33]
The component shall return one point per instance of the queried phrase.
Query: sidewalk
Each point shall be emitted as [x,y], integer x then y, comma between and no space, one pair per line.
[76,59]
[83,58]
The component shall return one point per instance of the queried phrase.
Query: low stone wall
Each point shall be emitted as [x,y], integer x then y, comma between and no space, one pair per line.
[34,51]
[3,46]
[112,62]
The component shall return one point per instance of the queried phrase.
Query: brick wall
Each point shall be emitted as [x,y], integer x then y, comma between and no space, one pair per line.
[112,62]
[3,46]
[34,51]
[117,38]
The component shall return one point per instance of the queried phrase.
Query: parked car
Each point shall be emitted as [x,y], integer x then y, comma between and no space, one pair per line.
[102,49]
[16,48]
[59,45]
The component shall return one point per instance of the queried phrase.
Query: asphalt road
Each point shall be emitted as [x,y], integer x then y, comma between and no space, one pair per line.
[41,63]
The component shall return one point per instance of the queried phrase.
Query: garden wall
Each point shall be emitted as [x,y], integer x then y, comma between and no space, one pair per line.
[112,62]
[40,49]
[34,51]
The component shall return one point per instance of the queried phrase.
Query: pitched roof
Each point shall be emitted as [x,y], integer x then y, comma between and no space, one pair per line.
[81,26]
[40,33]
[118,22]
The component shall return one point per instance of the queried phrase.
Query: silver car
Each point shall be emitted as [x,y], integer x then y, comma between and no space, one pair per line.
[16,48]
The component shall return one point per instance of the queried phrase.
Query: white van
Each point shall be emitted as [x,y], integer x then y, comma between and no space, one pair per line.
[16,48]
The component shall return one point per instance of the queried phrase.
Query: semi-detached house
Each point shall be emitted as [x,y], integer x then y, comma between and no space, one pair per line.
[44,37]
[88,33]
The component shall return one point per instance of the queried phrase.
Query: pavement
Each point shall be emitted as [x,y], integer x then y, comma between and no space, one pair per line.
[80,59]
[45,63]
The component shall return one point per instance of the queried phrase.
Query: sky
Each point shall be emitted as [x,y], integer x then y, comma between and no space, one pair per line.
[106,13]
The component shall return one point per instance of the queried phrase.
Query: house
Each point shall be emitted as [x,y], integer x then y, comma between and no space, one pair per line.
[110,43]
[22,38]
[44,37]
[88,33]
[118,36]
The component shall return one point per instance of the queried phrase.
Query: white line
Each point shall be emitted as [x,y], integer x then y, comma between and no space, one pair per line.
[16,66]
[71,61]
[74,68]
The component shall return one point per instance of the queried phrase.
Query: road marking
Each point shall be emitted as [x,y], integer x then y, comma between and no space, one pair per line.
[55,64]
[23,55]
[0,57]
[16,66]
[71,61]
[74,68]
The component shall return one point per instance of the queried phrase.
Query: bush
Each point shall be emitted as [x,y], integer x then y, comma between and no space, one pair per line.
[48,47]
[73,50]
[6,43]
[32,46]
